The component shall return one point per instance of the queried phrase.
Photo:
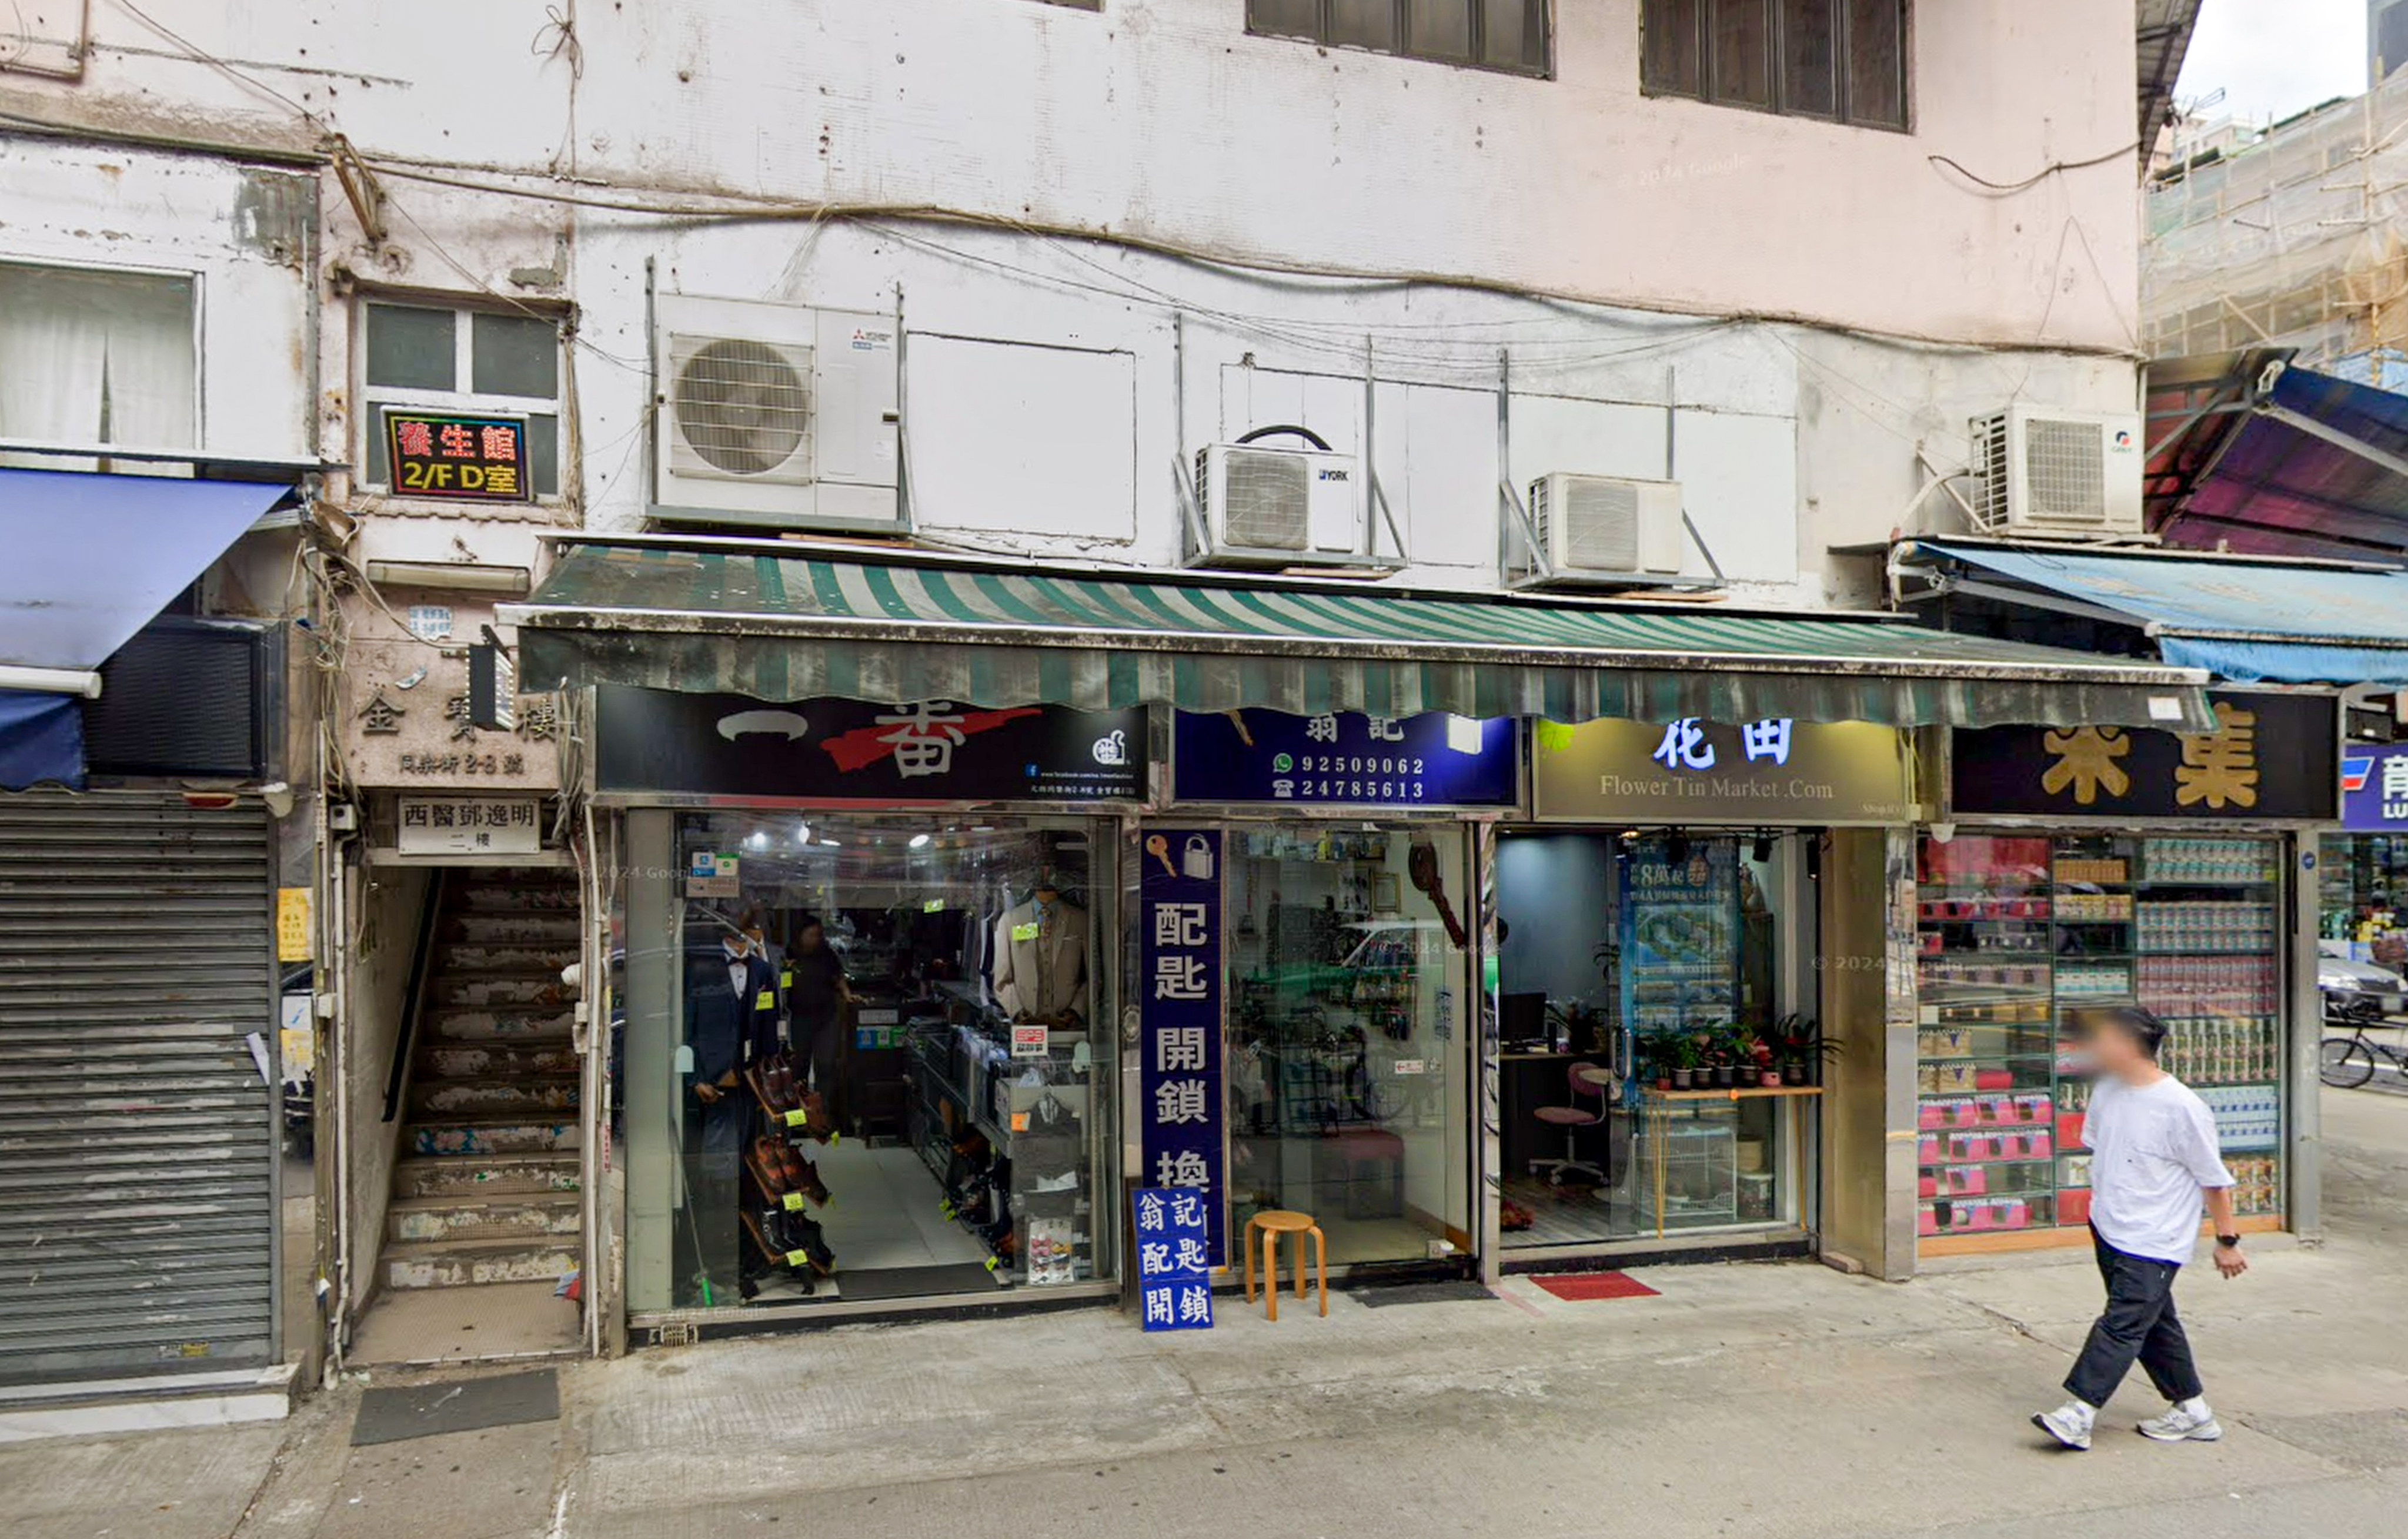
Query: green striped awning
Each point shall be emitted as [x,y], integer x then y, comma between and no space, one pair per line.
[730,617]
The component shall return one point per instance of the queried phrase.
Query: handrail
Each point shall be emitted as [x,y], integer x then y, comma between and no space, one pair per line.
[413,995]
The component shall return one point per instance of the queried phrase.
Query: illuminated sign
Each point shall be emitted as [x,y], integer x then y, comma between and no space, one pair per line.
[471,459]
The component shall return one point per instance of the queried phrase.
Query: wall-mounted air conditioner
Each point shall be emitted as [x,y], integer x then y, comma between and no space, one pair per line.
[2062,474]
[775,415]
[1278,506]
[1606,526]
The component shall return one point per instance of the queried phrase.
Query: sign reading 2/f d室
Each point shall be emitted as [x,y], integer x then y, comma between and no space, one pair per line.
[440,454]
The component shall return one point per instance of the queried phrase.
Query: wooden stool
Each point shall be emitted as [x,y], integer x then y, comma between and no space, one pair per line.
[1274,1222]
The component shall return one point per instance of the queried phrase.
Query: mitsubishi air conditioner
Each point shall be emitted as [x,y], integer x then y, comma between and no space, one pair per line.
[774,416]
[2059,475]
[1278,506]
[1608,526]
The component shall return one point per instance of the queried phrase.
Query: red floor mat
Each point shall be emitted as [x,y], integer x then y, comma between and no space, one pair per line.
[1595,1285]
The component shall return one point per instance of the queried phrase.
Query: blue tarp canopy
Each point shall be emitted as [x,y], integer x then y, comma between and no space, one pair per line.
[2248,621]
[41,740]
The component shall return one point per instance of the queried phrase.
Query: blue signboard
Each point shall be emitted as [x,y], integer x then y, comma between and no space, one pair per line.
[1344,758]
[1179,988]
[2374,789]
[1679,927]
[1174,1246]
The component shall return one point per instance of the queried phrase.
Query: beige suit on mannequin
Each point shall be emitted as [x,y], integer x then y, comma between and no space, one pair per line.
[1041,962]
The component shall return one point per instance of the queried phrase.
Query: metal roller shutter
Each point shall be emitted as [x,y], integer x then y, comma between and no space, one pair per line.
[137,1142]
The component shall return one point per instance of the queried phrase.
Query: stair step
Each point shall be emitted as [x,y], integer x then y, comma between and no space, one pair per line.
[456,1264]
[524,897]
[528,1216]
[481,1175]
[498,1135]
[503,1024]
[537,1095]
[541,990]
[490,1061]
[454,959]
[543,927]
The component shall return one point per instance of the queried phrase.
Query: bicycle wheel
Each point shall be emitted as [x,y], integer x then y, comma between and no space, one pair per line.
[2347,1061]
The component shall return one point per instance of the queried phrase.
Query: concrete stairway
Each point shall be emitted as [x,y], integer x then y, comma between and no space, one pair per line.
[486,1186]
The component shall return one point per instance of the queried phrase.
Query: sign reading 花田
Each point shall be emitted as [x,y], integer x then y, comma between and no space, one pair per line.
[1691,770]
[1178,1017]
[460,458]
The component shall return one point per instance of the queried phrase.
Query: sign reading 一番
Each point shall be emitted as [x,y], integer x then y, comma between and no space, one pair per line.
[1174,1259]
[460,458]
[2374,788]
[1179,1010]
[1691,770]
[1344,758]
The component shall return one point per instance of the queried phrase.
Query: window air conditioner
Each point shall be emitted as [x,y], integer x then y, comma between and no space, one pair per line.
[774,415]
[2056,473]
[1607,525]
[1278,506]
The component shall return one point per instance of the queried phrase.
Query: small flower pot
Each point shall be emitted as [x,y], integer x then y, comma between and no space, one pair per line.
[1684,1078]
[1725,1075]
[1795,1074]
[1772,1078]
[1663,1082]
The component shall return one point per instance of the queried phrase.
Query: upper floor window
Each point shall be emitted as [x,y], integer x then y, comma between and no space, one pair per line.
[1840,60]
[420,357]
[1486,34]
[90,356]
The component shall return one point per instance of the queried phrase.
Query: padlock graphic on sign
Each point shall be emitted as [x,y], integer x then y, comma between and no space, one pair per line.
[1195,861]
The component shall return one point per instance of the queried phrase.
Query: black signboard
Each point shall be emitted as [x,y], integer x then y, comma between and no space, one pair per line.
[2273,759]
[444,455]
[927,751]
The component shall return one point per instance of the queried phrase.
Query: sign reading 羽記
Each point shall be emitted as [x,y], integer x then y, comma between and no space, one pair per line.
[1174,1260]
[1345,759]
[1689,770]
[458,457]
[470,825]
[1178,1017]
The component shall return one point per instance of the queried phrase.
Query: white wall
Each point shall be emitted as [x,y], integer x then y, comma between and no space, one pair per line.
[240,232]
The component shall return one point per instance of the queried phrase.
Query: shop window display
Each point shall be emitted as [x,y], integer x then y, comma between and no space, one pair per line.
[1347,946]
[874,1068]
[1648,1053]
[2016,931]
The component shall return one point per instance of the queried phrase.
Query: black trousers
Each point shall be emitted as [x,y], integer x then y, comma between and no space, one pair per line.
[820,1034]
[2139,1324]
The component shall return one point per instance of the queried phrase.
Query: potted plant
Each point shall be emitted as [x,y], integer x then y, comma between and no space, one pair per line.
[1684,1063]
[1721,1048]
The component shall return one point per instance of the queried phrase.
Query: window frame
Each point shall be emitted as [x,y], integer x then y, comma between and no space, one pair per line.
[371,399]
[198,282]
[1544,70]
[1843,114]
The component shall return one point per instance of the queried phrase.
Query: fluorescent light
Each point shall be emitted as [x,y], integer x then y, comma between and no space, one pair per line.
[832,844]
[465,577]
[756,840]
[919,841]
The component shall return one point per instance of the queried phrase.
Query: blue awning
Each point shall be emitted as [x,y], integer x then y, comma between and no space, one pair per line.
[41,740]
[90,559]
[2247,622]
[2312,467]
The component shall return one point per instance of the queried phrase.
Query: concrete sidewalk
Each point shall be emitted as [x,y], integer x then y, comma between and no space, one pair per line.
[1745,1400]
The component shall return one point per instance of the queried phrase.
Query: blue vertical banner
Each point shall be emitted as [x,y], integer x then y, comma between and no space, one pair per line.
[1174,1247]
[1179,988]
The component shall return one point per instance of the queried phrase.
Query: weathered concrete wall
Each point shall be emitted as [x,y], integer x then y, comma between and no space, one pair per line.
[385,918]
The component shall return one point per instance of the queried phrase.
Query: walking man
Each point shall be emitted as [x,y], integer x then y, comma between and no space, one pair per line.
[2153,1160]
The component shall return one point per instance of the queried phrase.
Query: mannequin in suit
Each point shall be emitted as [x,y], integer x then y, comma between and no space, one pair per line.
[1040,958]
[731,1016]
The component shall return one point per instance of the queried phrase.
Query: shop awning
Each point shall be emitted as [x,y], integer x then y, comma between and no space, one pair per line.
[2248,621]
[2310,465]
[788,627]
[41,740]
[90,559]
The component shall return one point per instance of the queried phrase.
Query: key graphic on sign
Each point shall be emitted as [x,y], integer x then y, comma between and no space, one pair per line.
[1159,847]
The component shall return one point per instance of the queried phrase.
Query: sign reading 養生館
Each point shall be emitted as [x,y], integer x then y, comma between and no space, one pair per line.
[1179,1018]
[2271,758]
[1689,770]
[457,458]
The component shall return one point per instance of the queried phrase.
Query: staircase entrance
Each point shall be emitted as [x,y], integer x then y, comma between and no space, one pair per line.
[484,1221]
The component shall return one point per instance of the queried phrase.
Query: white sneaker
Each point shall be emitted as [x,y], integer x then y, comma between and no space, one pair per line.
[2190,1421]
[2069,1424]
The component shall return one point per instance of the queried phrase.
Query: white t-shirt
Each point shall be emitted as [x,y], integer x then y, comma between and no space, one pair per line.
[2152,1156]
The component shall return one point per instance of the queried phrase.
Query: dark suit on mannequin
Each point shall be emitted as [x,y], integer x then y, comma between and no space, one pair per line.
[729,1024]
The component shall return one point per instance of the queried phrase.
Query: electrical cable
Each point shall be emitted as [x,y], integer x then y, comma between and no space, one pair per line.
[2005,189]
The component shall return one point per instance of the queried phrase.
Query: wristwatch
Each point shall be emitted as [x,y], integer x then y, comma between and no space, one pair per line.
[2230,1241]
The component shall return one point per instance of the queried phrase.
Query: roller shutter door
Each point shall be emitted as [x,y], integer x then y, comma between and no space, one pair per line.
[138,1140]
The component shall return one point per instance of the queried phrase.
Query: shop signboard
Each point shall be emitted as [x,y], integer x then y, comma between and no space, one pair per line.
[1174,1268]
[2271,758]
[2374,788]
[469,825]
[1179,1018]
[458,457]
[407,720]
[733,746]
[1344,758]
[1687,770]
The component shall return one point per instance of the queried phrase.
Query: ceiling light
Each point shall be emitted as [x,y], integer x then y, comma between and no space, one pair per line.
[756,840]
[919,841]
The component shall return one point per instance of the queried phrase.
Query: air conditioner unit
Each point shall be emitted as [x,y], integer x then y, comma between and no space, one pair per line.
[1607,525]
[774,415]
[1275,507]
[2057,474]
